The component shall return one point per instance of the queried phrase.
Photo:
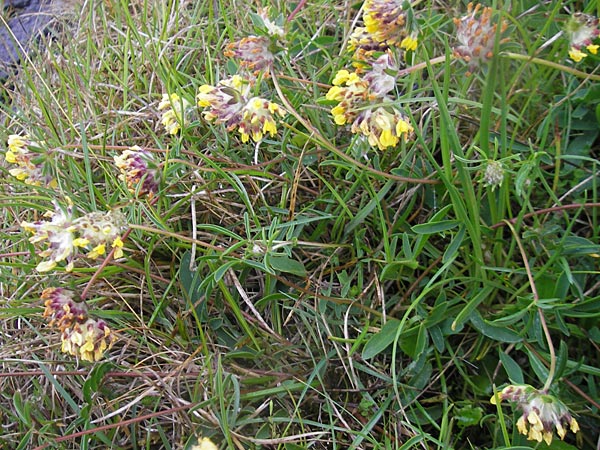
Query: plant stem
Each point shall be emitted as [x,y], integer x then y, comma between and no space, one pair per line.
[536,298]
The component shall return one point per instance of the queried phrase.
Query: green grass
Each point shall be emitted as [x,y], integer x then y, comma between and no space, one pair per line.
[313,292]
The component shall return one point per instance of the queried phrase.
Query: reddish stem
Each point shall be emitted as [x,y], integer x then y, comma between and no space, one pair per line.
[296,10]
[123,423]
[545,211]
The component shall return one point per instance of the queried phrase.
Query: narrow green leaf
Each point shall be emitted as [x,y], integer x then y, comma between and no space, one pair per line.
[512,368]
[497,333]
[452,249]
[435,227]
[538,367]
[381,340]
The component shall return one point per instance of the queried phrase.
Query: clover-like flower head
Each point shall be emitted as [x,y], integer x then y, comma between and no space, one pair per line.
[88,340]
[476,35]
[542,413]
[139,171]
[582,30]
[62,309]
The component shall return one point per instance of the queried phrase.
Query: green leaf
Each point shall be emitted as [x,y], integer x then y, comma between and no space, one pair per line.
[286,264]
[381,340]
[392,270]
[91,385]
[497,333]
[538,367]
[512,368]
[468,416]
[452,249]
[435,227]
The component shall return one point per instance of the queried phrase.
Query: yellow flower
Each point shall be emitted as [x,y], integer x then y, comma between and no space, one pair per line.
[31,166]
[382,128]
[258,119]
[409,43]
[118,246]
[582,29]
[576,54]
[97,251]
[204,444]
[173,116]
[88,340]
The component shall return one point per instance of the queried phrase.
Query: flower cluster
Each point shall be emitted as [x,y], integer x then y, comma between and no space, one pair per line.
[139,171]
[227,103]
[383,127]
[253,52]
[477,34]
[493,175]
[542,413]
[175,108]
[64,235]
[82,335]
[386,26]
[256,53]
[359,102]
[26,154]
[582,29]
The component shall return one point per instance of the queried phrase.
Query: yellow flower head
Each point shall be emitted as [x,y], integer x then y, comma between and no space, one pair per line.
[383,128]
[582,29]
[258,119]
[174,108]
[88,340]
[542,413]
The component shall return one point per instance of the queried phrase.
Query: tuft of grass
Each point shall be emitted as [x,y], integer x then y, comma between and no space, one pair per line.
[308,291]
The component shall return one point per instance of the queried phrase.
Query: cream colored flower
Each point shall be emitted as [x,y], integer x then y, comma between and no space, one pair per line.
[204,444]
[542,413]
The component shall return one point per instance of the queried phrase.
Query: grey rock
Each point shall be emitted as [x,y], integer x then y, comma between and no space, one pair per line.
[19,32]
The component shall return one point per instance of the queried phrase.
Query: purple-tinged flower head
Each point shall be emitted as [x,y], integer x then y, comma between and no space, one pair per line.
[254,52]
[476,35]
[582,29]
[223,103]
[87,340]
[27,155]
[100,230]
[386,21]
[364,48]
[59,235]
[139,171]
[62,310]
[228,104]
[257,52]
[542,413]
[174,112]
[379,78]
